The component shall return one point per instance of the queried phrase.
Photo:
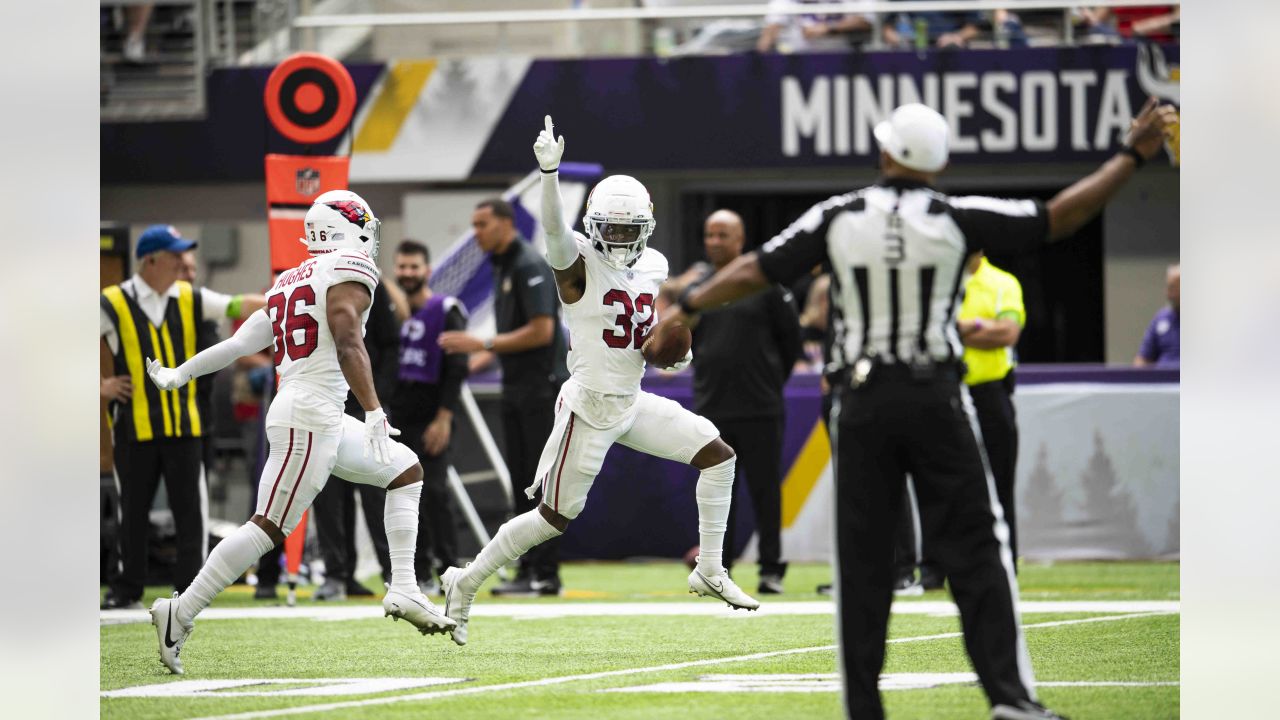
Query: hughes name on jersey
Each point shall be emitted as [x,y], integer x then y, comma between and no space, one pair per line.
[312,387]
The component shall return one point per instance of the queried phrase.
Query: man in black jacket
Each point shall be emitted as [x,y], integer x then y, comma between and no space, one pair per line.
[742,356]
[531,348]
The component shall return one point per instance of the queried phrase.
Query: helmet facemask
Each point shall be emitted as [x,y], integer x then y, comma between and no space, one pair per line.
[619,219]
[619,242]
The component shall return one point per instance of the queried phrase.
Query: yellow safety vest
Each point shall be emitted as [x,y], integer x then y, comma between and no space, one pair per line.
[991,294]
[153,413]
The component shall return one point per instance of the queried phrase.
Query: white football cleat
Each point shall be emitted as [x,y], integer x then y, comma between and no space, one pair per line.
[417,609]
[457,604]
[171,633]
[721,586]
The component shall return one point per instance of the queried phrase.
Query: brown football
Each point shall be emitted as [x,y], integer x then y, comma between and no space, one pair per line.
[667,344]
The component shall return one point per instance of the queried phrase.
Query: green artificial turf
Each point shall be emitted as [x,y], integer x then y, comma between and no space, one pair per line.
[1121,647]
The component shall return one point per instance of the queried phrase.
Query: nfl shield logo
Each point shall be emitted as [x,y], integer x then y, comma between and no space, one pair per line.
[308,181]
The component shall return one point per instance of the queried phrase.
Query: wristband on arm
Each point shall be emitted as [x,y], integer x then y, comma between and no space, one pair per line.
[1138,160]
[683,302]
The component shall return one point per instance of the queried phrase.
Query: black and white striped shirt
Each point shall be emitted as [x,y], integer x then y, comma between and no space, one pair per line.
[896,252]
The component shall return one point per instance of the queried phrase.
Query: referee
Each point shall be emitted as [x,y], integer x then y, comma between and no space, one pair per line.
[897,252]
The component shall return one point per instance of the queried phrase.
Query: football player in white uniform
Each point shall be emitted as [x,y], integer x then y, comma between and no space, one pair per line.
[607,285]
[314,321]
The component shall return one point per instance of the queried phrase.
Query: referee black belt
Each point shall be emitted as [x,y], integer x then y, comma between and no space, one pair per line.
[866,371]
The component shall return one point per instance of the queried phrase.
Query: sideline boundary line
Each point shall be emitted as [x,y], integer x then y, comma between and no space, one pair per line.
[544,611]
[542,682]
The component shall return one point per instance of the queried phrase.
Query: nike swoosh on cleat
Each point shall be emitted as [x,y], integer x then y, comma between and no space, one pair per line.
[718,588]
[168,638]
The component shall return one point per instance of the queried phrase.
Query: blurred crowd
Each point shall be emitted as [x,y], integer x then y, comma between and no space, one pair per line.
[785,29]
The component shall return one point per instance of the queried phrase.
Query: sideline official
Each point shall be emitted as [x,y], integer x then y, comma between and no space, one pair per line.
[742,357]
[990,322]
[897,251]
[157,432]
[531,347]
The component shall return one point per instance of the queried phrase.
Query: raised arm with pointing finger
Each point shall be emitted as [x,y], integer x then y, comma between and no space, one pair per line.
[562,251]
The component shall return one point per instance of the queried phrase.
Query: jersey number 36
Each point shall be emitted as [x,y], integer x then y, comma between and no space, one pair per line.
[287,318]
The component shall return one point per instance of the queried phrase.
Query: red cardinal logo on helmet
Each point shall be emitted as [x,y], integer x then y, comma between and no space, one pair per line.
[352,211]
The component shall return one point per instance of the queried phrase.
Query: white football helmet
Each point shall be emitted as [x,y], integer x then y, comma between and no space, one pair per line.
[619,219]
[341,220]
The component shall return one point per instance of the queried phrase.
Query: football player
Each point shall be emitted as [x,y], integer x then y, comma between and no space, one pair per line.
[607,285]
[314,322]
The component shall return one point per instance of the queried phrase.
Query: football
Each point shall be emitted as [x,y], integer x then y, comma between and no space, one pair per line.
[667,343]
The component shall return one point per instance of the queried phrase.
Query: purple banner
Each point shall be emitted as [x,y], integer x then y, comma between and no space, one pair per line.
[741,111]
[757,111]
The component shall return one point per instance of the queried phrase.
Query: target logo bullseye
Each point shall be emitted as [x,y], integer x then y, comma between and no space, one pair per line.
[310,98]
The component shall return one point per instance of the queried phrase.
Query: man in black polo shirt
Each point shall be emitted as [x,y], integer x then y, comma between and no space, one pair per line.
[742,356]
[531,347]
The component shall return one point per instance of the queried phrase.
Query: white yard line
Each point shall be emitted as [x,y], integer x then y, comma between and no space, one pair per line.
[322,612]
[542,682]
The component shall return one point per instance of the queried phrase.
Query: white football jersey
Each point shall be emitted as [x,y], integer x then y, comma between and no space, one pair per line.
[312,389]
[610,322]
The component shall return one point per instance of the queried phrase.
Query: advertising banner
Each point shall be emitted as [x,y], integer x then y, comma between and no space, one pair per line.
[458,118]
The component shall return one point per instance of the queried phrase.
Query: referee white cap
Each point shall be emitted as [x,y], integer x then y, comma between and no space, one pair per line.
[915,136]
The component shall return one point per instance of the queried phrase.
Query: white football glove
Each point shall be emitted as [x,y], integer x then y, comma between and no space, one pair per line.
[166,378]
[683,362]
[547,149]
[377,436]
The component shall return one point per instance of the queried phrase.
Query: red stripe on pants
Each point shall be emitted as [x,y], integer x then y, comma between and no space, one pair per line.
[297,482]
[555,504]
[287,455]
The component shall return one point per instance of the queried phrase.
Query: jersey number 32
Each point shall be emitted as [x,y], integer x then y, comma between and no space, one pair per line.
[287,318]
[633,319]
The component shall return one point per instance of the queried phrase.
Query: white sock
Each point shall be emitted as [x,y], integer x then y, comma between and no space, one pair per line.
[400,515]
[714,493]
[515,538]
[227,562]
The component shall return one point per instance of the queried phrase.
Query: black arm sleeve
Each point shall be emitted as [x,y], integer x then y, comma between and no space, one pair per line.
[995,225]
[785,322]
[453,369]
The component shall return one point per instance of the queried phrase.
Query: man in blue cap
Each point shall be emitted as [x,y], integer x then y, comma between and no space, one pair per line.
[158,433]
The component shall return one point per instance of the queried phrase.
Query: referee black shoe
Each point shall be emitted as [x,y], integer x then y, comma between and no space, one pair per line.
[113,601]
[520,587]
[1024,710]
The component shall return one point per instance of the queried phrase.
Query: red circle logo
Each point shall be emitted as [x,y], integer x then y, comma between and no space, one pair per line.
[310,98]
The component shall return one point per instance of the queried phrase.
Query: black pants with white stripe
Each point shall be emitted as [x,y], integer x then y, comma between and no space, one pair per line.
[140,465]
[993,402]
[895,425]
